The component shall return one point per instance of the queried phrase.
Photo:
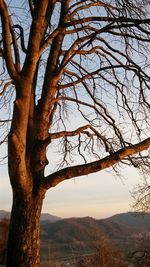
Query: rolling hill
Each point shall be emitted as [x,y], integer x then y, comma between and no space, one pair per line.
[73,238]
[134,220]
[45,217]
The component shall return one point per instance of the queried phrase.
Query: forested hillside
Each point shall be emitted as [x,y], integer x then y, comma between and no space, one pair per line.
[118,240]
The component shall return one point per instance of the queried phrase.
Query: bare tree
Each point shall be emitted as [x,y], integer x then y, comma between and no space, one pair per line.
[76,75]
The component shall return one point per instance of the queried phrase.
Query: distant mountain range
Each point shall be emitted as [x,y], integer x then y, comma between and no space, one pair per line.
[67,238]
[117,226]
[130,219]
[45,217]
[4,214]
[124,232]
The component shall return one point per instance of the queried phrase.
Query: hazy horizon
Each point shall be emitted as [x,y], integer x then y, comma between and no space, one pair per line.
[99,195]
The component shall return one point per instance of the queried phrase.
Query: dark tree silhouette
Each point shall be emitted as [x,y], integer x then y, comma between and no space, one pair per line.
[4,225]
[76,74]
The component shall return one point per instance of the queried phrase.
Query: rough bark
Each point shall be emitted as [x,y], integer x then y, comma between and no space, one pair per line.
[26,172]
[24,234]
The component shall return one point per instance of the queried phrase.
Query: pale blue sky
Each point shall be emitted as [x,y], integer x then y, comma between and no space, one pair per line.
[98,195]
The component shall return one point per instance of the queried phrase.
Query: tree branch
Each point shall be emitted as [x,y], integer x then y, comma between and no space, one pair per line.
[5,87]
[108,19]
[68,133]
[22,42]
[16,49]
[31,6]
[49,40]
[5,19]
[37,31]
[87,6]
[85,169]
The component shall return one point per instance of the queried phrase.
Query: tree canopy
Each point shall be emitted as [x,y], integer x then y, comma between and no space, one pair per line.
[88,63]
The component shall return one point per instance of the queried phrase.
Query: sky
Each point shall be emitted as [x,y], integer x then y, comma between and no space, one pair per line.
[97,195]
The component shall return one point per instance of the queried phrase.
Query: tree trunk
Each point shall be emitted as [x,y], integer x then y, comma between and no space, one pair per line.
[24,233]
